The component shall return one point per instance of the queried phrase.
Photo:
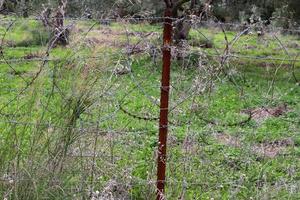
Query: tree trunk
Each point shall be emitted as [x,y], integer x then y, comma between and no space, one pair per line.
[25,5]
[46,16]
[182,30]
[1,5]
[61,33]
[181,33]
[55,22]
[183,26]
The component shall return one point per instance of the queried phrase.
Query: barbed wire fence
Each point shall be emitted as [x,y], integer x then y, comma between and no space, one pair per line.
[81,121]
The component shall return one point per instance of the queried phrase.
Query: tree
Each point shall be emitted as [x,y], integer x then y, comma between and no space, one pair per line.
[184,11]
[25,4]
[8,6]
[55,22]
[1,4]
[294,6]
[223,10]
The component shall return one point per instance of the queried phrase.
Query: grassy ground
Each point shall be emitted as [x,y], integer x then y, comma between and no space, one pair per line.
[73,126]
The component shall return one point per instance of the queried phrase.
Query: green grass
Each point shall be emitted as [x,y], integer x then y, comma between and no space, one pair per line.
[80,99]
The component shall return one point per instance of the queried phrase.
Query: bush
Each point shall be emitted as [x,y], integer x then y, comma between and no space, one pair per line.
[27,34]
[201,42]
[282,17]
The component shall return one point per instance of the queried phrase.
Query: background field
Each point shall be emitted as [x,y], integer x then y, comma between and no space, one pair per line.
[80,122]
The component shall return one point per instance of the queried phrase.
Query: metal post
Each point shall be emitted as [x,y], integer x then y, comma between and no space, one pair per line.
[164,105]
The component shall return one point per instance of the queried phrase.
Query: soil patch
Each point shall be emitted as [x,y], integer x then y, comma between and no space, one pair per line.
[33,55]
[263,113]
[272,149]
[265,149]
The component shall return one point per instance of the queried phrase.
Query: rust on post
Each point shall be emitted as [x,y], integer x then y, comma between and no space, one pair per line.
[164,105]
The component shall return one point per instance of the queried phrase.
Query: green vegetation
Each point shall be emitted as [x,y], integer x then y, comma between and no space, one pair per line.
[70,121]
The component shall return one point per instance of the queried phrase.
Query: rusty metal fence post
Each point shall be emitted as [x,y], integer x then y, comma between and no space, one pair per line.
[164,104]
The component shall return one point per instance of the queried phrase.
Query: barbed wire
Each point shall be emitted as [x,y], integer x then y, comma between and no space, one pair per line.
[194,19]
[195,52]
[113,123]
